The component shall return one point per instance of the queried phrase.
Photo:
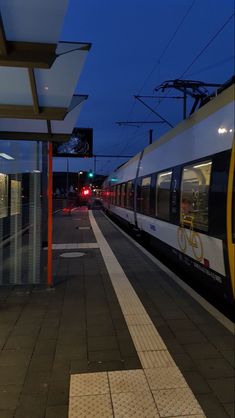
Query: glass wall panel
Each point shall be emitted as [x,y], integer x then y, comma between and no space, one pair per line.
[20,212]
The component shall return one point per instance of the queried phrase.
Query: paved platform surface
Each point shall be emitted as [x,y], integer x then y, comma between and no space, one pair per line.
[79,329]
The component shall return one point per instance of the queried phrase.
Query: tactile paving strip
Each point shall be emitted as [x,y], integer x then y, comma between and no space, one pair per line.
[176,402]
[165,378]
[134,405]
[153,359]
[98,406]
[146,338]
[89,384]
[128,381]
[139,319]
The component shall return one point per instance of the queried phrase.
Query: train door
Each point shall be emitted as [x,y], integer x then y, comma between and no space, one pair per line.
[175,196]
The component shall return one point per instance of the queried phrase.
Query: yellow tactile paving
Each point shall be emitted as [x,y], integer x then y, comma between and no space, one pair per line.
[128,381]
[89,384]
[176,402]
[134,405]
[92,406]
[165,378]
[153,359]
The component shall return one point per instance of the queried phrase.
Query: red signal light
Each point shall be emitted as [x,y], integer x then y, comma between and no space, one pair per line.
[85,192]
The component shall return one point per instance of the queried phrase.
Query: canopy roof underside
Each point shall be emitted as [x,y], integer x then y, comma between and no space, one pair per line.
[38,73]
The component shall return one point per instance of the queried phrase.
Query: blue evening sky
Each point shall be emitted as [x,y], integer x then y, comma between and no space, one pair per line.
[136,45]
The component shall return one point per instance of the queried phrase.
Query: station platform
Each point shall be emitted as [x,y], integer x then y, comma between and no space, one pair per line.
[116,336]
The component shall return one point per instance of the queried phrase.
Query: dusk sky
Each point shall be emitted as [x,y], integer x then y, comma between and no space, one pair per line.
[137,45]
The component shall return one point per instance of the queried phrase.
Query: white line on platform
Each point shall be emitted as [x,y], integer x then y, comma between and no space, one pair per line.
[229,325]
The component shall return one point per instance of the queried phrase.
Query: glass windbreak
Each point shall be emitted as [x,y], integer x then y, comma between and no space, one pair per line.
[20,212]
[195,193]
[163,186]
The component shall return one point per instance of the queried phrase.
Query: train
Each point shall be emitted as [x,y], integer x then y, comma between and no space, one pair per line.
[179,192]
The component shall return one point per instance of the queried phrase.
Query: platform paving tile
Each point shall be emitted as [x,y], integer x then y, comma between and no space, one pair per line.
[58,411]
[31,406]
[107,355]
[176,402]
[102,343]
[58,391]
[9,396]
[224,388]
[184,362]
[227,342]
[215,368]
[190,337]
[165,378]
[12,375]
[211,406]
[196,382]
[138,405]
[36,383]
[155,359]
[229,355]
[15,357]
[7,413]
[230,409]
[202,351]
[92,406]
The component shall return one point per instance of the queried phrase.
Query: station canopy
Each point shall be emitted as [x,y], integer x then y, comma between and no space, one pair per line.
[38,73]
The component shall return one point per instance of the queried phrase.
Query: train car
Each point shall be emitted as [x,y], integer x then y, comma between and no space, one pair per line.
[180,193]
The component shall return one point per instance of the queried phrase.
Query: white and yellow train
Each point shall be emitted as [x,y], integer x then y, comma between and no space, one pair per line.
[180,192]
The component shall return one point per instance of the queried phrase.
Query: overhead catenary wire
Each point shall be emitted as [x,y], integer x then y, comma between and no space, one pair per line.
[159,59]
[215,65]
[168,44]
[211,40]
[208,44]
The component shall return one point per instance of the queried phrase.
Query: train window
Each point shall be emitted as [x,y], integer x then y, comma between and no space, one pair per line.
[145,195]
[123,193]
[194,193]
[113,195]
[163,186]
[110,194]
[129,195]
[118,195]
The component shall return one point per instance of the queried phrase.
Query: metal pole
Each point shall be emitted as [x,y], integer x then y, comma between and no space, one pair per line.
[94,164]
[49,233]
[185,104]
[67,184]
